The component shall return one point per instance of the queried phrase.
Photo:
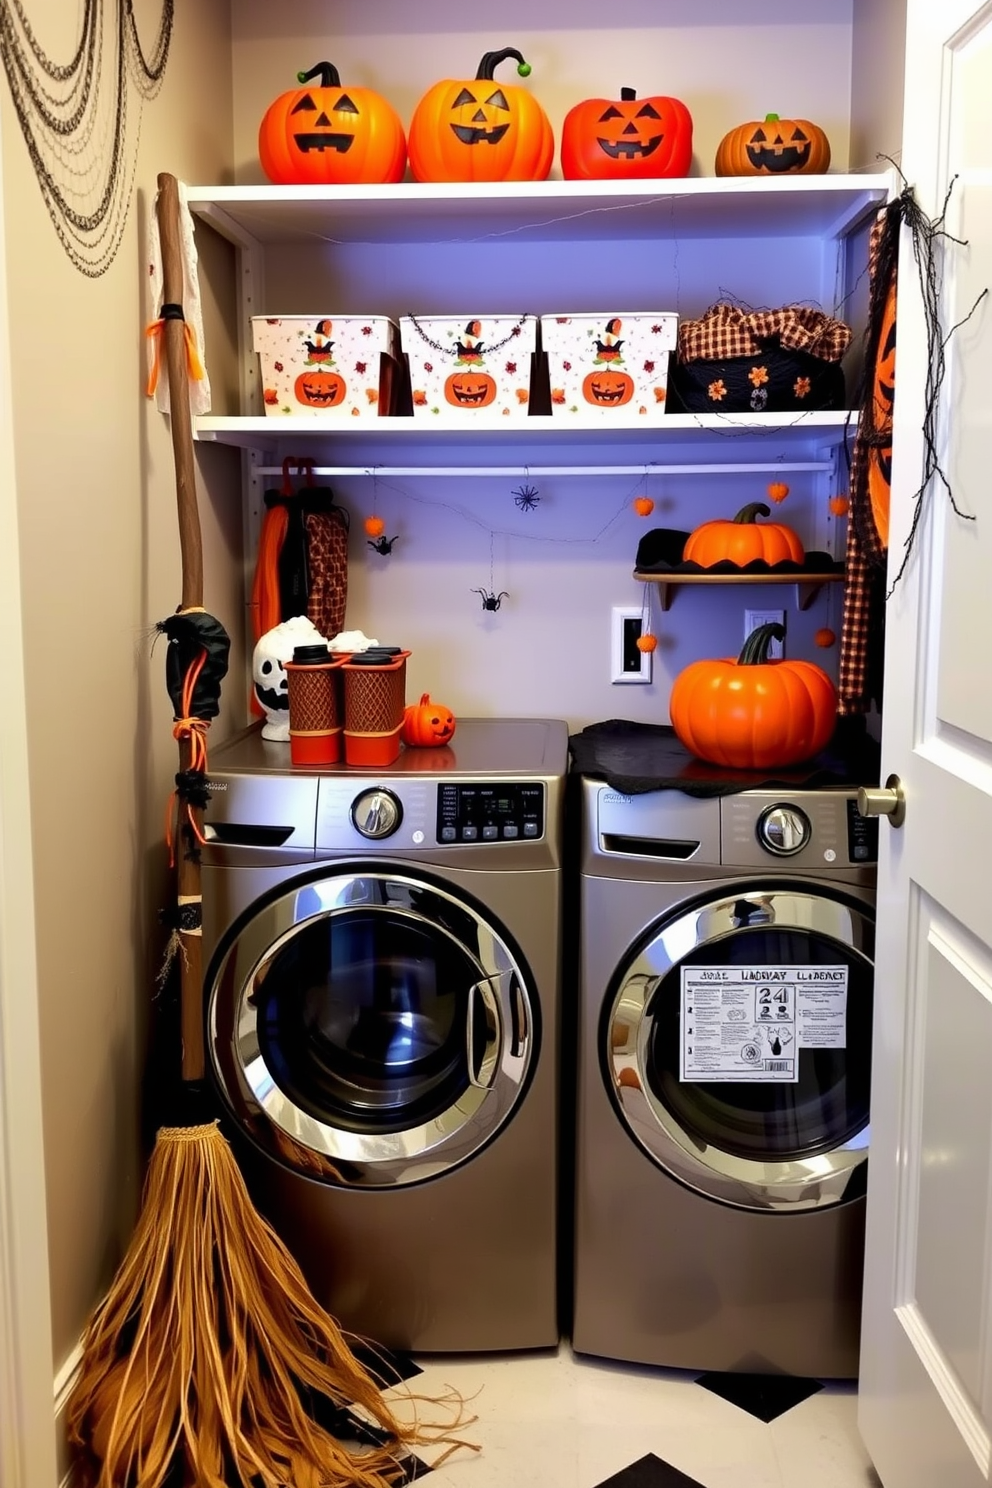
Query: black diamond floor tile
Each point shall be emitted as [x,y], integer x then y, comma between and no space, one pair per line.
[763,1395]
[386,1366]
[649,1472]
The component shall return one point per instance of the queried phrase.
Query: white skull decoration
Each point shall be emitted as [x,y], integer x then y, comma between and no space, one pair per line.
[268,672]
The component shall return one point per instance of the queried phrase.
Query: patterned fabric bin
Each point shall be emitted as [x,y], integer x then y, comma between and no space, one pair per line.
[476,367]
[374,703]
[335,368]
[611,368]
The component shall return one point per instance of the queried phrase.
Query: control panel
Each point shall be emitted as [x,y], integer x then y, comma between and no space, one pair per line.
[505,811]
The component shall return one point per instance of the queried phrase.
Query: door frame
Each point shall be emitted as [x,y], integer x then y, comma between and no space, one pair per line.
[27,1408]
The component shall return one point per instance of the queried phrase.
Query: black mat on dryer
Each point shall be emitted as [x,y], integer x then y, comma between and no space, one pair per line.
[637,757]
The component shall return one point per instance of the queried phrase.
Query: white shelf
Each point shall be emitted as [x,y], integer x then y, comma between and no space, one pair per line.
[532,211]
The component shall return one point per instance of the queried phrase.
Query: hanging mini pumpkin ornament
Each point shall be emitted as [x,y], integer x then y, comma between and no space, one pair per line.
[327,136]
[374,526]
[839,506]
[824,637]
[643,506]
[626,138]
[480,130]
[778,491]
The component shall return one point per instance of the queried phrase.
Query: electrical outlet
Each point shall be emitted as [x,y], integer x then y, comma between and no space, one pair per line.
[754,618]
[627,664]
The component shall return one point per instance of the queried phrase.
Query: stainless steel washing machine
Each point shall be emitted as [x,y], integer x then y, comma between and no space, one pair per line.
[381,997]
[723,1081]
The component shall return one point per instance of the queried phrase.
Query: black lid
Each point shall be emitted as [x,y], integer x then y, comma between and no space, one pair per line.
[310,655]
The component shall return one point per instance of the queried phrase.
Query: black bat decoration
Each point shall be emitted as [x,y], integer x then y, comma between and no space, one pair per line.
[491,601]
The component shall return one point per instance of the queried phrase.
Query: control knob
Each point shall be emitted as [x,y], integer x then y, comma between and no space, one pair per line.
[784,830]
[376,813]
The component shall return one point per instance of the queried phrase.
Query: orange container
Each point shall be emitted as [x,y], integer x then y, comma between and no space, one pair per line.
[374,700]
[315,707]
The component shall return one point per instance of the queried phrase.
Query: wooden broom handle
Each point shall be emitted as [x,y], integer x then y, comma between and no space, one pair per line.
[188,867]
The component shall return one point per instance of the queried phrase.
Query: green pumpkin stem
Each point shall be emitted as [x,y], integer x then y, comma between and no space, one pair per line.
[752,512]
[771,118]
[492,60]
[329,75]
[754,651]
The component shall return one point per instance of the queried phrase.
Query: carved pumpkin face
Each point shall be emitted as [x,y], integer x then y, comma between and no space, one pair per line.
[426,723]
[481,130]
[331,136]
[773,146]
[320,389]
[608,389]
[626,138]
[470,389]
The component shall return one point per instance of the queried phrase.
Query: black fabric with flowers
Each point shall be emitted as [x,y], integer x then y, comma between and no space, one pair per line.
[776,381]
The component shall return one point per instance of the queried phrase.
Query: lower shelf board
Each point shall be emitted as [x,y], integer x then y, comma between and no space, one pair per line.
[807,586]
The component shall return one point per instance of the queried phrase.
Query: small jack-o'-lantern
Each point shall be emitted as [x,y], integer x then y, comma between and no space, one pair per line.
[628,137]
[479,130]
[773,147]
[320,389]
[470,389]
[427,724]
[329,136]
[608,388]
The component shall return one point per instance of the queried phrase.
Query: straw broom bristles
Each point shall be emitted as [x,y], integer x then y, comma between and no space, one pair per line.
[201,1348]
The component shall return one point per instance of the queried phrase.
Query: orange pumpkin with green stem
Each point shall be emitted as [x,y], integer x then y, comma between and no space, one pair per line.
[742,540]
[478,129]
[773,147]
[331,136]
[749,713]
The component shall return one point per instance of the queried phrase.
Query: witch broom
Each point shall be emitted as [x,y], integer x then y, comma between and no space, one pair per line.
[209,1362]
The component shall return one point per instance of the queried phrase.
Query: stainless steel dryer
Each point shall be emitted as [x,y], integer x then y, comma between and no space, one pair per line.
[723,1083]
[382,1024]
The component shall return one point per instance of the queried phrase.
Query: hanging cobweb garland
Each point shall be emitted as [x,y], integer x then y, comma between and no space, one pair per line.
[75,122]
[926,231]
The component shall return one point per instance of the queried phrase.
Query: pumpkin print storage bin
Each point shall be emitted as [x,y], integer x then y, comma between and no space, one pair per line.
[785,360]
[609,366]
[479,367]
[331,367]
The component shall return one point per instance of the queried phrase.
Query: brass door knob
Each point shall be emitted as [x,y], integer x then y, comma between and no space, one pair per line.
[889,801]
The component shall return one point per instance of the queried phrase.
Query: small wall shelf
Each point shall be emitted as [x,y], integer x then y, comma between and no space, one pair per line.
[807,586]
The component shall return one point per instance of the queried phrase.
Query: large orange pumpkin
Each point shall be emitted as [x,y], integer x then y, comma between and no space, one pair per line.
[327,136]
[773,147]
[481,130]
[427,724]
[750,713]
[742,541]
[627,138]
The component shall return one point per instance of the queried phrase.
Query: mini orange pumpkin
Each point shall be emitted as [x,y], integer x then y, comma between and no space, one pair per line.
[749,713]
[608,388]
[643,506]
[646,643]
[773,147]
[742,541]
[326,136]
[374,526]
[320,389]
[778,491]
[481,130]
[824,637]
[427,724]
[839,505]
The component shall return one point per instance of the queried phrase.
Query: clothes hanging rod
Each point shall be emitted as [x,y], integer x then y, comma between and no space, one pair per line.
[771,467]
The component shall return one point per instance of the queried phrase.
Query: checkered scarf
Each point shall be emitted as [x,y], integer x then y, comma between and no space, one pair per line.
[727,331]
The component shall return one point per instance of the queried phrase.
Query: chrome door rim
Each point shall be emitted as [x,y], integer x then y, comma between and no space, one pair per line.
[369,1158]
[791,1184]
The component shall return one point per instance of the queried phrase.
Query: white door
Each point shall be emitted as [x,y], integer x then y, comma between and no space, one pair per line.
[926,1385]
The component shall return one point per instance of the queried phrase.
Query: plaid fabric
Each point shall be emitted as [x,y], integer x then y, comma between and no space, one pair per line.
[727,331]
[863,628]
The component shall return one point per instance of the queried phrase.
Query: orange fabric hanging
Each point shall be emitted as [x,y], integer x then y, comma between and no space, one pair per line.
[194,729]
[193,363]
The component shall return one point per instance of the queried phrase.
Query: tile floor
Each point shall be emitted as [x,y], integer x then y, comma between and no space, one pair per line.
[559,1420]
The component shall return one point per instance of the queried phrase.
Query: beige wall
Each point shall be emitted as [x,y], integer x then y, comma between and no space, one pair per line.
[100,564]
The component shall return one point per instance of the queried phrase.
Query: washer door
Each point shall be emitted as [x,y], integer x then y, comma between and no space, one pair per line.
[737,1047]
[370,1028]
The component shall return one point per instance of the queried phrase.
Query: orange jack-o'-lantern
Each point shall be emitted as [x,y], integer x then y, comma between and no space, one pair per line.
[608,388]
[481,130]
[320,389]
[426,723]
[470,389]
[331,136]
[626,138]
[884,389]
[773,147]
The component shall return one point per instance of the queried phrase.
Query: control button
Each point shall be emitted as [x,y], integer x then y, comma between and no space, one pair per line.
[449,834]
[530,829]
[783,830]
[376,813]
[489,833]
[469,834]
[510,829]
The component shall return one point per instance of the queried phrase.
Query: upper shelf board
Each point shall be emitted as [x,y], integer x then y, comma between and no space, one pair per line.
[534,211]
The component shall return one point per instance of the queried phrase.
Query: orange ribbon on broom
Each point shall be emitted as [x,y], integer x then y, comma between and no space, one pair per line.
[156,333]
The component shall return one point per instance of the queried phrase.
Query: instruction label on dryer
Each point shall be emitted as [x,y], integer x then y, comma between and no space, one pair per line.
[748,1023]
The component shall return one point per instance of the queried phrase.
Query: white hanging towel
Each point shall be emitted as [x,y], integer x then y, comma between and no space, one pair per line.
[199,387]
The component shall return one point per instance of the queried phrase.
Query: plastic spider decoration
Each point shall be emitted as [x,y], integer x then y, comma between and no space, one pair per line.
[490,600]
[383,545]
[526,498]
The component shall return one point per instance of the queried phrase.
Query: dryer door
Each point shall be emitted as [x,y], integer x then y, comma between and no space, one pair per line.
[737,1046]
[370,1028]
